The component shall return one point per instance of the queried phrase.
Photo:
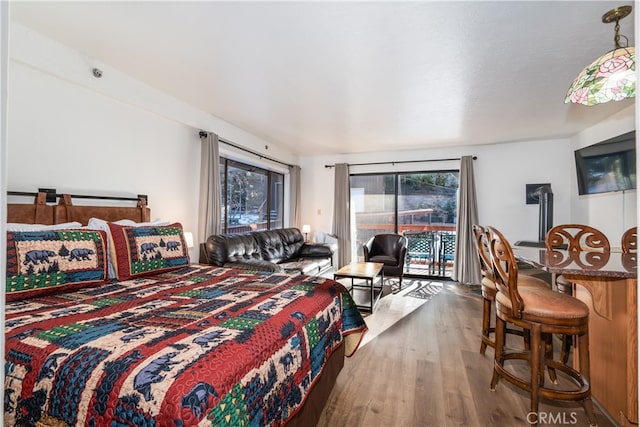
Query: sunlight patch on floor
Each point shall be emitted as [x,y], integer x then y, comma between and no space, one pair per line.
[390,309]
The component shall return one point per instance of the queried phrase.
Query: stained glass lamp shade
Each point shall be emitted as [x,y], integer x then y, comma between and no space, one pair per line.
[612,77]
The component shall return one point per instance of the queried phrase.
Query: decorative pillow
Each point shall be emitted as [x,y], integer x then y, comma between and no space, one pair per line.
[140,251]
[101,224]
[52,261]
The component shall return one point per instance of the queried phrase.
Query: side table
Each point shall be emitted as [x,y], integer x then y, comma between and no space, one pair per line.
[368,271]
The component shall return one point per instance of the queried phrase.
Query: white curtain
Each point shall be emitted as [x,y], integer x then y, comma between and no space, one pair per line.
[295,216]
[466,267]
[209,210]
[341,214]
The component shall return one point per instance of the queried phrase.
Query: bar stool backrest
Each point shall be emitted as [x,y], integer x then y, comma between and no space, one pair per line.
[505,270]
[576,238]
[482,245]
[630,240]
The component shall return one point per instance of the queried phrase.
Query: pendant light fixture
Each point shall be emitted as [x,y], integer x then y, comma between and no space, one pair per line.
[612,77]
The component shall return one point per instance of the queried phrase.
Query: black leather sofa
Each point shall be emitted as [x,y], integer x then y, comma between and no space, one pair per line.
[282,250]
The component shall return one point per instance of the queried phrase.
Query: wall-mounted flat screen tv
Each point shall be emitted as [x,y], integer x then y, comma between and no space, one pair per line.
[608,165]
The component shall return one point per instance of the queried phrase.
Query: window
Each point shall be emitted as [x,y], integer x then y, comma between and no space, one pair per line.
[252,198]
[419,205]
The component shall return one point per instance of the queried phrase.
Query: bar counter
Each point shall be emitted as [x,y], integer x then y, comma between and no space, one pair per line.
[607,283]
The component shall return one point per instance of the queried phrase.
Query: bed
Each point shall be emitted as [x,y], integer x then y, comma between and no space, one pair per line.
[165,342]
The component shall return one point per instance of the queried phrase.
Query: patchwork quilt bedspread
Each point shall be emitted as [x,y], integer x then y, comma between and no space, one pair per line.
[197,346]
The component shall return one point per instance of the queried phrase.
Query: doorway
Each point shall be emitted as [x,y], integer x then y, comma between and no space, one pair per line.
[422,206]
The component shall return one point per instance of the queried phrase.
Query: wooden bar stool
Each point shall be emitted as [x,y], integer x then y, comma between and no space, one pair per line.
[488,287]
[537,311]
[630,241]
[630,248]
[575,238]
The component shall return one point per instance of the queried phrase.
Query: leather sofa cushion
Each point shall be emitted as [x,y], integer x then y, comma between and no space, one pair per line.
[292,241]
[271,245]
[321,250]
[226,248]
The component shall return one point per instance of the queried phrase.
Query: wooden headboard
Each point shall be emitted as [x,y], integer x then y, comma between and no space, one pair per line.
[65,211]
[37,213]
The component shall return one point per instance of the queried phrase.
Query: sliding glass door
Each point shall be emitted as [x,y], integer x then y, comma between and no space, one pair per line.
[252,198]
[422,206]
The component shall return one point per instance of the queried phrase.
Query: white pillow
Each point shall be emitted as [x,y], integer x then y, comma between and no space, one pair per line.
[132,223]
[101,224]
[16,226]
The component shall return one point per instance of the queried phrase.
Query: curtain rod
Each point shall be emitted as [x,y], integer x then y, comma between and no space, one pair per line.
[402,161]
[262,156]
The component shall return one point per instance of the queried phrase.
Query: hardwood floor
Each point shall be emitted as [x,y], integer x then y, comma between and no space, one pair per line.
[422,367]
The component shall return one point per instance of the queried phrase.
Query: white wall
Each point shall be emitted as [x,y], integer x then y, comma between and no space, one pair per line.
[4,66]
[501,185]
[502,172]
[113,136]
[66,137]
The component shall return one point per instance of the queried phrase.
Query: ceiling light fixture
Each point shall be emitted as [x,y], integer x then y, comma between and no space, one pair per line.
[612,77]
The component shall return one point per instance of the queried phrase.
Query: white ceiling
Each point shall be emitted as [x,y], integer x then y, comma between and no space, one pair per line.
[347,77]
